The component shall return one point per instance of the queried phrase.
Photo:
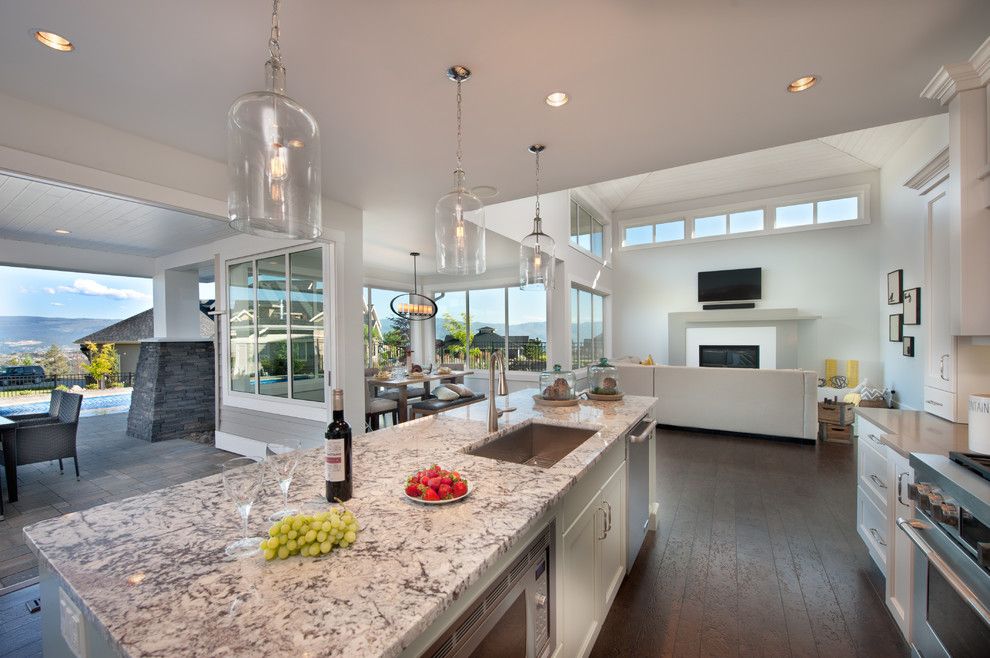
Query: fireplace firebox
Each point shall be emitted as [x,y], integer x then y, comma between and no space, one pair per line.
[729,356]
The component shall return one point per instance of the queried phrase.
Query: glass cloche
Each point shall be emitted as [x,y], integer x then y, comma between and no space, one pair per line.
[604,378]
[558,384]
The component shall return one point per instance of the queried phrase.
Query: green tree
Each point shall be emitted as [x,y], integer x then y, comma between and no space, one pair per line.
[457,330]
[55,363]
[103,362]
[20,360]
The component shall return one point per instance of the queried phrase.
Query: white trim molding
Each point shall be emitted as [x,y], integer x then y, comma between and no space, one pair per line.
[954,78]
[934,172]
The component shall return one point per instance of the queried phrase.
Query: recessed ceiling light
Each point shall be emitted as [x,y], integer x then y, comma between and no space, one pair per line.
[802,83]
[54,41]
[296,143]
[63,231]
[557,98]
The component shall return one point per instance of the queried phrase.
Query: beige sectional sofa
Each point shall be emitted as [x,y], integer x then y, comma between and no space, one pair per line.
[778,403]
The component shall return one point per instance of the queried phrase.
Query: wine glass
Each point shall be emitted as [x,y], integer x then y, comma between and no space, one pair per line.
[242,480]
[283,459]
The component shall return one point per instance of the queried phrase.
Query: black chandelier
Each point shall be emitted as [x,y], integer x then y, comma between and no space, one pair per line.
[412,305]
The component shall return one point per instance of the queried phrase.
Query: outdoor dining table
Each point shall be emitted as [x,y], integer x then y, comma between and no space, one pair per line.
[7,430]
[404,383]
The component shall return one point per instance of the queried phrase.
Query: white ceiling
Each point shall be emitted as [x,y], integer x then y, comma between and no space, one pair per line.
[848,153]
[654,85]
[32,210]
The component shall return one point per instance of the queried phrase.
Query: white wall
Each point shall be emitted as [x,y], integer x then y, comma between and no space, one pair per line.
[902,233]
[829,272]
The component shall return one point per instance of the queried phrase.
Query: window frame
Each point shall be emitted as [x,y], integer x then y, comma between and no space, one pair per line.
[768,206]
[467,290]
[594,358]
[577,204]
[288,405]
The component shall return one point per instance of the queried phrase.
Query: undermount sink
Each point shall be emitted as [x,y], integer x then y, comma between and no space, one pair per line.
[534,444]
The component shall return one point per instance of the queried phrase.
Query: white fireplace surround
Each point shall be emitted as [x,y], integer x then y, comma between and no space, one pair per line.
[765,337]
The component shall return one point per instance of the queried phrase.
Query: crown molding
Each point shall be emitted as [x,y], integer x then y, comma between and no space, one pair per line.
[954,78]
[931,174]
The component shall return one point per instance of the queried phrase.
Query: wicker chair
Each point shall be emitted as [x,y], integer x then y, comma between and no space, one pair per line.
[51,416]
[41,442]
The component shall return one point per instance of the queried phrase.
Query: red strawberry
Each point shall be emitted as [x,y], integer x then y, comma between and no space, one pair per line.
[413,490]
[459,488]
[444,490]
[445,479]
[413,480]
[455,475]
[430,494]
[434,483]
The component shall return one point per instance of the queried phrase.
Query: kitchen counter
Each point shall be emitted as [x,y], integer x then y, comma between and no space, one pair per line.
[150,574]
[917,431]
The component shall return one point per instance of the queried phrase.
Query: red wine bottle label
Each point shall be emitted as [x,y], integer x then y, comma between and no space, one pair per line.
[333,468]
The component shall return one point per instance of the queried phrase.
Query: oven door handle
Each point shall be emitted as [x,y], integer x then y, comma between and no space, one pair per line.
[910,529]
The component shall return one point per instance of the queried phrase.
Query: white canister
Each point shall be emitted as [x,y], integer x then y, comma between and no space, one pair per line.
[979,423]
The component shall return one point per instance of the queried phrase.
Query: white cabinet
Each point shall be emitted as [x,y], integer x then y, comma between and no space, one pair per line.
[900,552]
[580,581]
[594,564]
[936,303]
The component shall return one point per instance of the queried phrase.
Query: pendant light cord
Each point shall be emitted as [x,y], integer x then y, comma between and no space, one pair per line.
[274,52]
[537,186]
[459,151]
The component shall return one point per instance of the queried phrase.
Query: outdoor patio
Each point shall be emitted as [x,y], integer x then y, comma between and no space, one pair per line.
[112,466]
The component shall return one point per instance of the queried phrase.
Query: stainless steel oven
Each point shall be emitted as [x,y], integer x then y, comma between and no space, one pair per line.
[514,616]
[951,536]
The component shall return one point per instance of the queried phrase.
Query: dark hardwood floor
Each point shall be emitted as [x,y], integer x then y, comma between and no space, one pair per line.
[756,554]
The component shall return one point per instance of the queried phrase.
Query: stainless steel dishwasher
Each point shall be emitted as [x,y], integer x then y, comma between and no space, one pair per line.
[638,486]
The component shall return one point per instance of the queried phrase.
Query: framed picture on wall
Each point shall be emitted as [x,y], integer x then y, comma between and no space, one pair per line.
[908,349]
[912,306]
[895,287]
[896,327]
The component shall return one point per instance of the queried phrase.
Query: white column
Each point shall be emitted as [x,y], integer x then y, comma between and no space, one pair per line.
[176,298]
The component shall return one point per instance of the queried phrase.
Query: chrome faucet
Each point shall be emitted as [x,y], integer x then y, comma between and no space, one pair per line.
[503,388]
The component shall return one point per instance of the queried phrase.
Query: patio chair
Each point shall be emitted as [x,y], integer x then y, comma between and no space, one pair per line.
[44,442]
[50,416]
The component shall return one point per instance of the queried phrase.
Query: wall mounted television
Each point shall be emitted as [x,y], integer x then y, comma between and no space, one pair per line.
[730,285]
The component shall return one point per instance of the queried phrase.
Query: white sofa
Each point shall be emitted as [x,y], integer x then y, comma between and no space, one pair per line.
[779,403]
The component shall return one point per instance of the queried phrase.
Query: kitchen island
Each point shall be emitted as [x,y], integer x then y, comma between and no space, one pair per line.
[150,577]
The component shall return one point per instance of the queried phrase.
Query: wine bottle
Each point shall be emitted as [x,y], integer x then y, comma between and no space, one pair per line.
[337,457]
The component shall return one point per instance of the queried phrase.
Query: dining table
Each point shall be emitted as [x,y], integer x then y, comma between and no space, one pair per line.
[403,384]
[8,429]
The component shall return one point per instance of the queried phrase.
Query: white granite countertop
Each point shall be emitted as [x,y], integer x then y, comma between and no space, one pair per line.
[150,571]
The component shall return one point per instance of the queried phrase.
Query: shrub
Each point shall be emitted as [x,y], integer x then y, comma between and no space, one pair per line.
[117,385]
[61,387]
[92,387]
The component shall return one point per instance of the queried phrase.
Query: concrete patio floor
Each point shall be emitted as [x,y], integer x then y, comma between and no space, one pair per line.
[112,466]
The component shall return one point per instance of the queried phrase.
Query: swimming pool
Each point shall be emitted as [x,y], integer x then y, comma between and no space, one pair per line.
[93,405]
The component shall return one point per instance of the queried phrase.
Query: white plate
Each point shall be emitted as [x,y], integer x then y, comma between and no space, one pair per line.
[470,486]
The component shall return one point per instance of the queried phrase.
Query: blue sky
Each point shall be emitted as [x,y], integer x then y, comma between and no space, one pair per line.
[48,293]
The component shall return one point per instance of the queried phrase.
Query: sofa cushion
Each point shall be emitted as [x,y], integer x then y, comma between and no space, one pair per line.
[434,404]
[445,393]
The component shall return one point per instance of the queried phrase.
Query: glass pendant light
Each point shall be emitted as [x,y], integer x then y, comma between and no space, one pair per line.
[537,259]
[273,158]
[460,215]
[413,305]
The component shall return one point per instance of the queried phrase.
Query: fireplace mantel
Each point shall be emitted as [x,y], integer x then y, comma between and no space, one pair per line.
[741,315]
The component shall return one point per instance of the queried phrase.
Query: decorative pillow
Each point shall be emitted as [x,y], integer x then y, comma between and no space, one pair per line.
[461,389]
[446,394]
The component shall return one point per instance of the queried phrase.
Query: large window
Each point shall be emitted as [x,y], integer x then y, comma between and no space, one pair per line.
[386,335]
[587,327]
[848,206]
[277,337]
[587,231]
[471,324]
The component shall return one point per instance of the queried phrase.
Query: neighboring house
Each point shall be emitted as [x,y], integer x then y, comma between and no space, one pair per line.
[127,334]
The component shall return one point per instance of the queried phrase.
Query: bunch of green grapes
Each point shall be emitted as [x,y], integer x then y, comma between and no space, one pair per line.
[310,535]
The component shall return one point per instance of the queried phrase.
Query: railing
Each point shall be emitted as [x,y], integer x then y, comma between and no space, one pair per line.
[531,358]
[14,385]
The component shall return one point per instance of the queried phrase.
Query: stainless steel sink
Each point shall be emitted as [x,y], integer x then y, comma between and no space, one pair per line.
[534,444]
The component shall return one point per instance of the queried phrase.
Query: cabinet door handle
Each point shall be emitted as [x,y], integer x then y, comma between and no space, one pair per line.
[875,439]
[880,483]
[608,528]
[604,529]
[941,367]
[934,403]
[876,535]
[900,480]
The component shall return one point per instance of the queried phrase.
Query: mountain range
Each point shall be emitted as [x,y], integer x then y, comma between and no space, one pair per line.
[28,333]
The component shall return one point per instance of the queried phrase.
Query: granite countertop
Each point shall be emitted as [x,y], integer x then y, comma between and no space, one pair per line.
[917,431]
[151,573]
